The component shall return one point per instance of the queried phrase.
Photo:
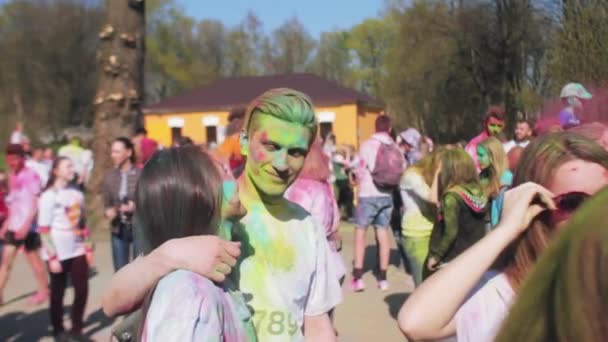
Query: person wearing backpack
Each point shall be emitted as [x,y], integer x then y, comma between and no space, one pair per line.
[378,174]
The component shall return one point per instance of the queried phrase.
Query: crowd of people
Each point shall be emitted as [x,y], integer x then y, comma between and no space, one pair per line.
[242,242]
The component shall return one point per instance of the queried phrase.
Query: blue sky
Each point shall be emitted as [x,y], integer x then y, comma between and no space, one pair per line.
[316,15]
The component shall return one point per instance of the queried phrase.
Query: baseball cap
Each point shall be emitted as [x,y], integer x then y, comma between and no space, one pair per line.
[411,136]
[575,90]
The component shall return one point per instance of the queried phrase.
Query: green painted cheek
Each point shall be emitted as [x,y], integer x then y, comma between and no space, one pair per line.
[229,190]
[482,156]
[495,129]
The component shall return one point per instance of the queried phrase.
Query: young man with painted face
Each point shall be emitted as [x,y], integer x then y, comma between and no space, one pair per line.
[571,95]
[284,267]
[493,125]
[521,137]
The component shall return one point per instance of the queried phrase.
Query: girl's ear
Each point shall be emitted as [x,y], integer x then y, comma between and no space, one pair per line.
[244,141]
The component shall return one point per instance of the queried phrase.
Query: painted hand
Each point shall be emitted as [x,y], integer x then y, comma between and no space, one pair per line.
[209,256]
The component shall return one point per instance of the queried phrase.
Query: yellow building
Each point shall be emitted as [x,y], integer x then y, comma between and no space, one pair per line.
[202,114]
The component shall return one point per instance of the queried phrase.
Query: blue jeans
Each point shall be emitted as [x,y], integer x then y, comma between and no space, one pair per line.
[121,248]
[374,211]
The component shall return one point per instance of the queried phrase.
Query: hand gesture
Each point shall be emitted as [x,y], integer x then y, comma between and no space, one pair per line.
[55,266]
[207,255]
[523,203]
[432,264]
[90,258]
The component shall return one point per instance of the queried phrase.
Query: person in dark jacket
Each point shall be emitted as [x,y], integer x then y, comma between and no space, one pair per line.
[462,210]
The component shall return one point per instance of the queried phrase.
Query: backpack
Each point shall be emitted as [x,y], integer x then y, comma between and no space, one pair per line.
[390,165]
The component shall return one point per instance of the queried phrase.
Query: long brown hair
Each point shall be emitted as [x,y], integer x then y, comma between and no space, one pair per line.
[178,194]
[498,165]
[457,168]
[52,177]
[538,164]
[565,297]
[427,166]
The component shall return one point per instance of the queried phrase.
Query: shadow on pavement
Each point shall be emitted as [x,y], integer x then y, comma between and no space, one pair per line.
[22,326]
[394,302]
[371,260]
[96,322]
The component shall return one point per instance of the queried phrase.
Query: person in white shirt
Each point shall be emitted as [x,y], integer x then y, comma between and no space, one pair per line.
[523,134]
[82,159]
[18,137]
[65,245]
[284,267]
[37,163]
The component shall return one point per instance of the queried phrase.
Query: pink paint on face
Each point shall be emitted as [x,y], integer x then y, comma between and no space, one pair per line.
[277,149]
[264,136]
[260,155]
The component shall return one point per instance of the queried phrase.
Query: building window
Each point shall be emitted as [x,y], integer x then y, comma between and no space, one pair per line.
[211,134]
[176,133]
[325,128]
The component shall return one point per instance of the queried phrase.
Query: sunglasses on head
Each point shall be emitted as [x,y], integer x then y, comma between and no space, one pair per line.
[566,204]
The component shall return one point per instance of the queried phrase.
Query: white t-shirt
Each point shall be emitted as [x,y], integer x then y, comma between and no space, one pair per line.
[512,143]
[61,211]
[285,270]
[80,157]
[479,319]
[17,137]
[42,169]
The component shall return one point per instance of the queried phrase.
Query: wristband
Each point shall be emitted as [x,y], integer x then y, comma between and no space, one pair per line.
[88,249]
[53,257]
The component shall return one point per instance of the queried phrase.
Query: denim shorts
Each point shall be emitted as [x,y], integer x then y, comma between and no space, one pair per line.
[374,211]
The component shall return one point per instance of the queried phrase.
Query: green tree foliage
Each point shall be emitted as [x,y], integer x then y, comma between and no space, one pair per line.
[437,64]
[454,58]
[333,58]
[291,48]
[46,70]
[581,50]
[370,42]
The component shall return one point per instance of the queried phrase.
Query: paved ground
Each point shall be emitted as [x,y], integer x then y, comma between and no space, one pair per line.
[366,316]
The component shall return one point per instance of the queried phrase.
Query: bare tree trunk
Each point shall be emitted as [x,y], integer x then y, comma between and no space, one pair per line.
[120,84]
[18,106]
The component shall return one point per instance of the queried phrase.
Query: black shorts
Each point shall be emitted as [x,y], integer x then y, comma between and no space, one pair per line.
[31,241]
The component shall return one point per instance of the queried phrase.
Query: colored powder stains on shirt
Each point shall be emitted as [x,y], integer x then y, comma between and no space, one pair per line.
[188,307]
[318,199]
[61,210]
[284,271]
[271,245]
[24,187]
